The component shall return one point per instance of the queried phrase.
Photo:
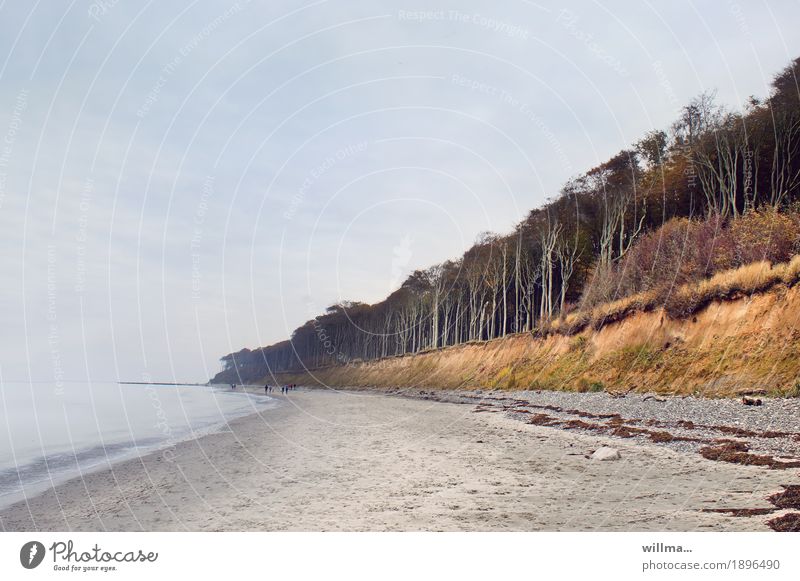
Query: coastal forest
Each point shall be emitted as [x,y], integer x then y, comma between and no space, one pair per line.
[702,200]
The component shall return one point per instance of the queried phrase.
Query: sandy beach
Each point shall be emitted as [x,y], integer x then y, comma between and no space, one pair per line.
[361,461]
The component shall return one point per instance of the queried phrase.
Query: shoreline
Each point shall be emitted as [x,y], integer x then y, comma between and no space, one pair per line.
[105,456]
[369,460]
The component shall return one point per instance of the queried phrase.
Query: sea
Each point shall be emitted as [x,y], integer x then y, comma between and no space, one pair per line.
[50,433]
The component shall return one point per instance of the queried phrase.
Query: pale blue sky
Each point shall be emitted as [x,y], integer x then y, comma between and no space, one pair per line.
[182,179]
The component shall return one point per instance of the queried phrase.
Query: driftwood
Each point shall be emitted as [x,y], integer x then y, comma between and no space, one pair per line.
[751,401]
[620,394]
[654,397]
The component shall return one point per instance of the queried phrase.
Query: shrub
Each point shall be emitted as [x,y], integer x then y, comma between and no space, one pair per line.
[686,264]
[602,287]
[664,266]
[679,252]
[714,247]
[662,258]
[584,385]
[764,235]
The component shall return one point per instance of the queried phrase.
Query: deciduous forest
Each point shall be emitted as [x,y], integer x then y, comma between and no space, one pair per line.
[716,191]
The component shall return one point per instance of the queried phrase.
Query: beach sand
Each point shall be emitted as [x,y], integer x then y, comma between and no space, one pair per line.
[361,461]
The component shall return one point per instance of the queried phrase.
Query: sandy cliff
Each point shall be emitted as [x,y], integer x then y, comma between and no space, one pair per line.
[750,343]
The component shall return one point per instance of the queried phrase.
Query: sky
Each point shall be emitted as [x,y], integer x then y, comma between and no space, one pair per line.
[179,180]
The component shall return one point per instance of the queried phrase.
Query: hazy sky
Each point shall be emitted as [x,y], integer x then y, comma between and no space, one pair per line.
[182,179]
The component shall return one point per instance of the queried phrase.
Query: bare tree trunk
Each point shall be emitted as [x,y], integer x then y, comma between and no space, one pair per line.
[567,254]
[548,240]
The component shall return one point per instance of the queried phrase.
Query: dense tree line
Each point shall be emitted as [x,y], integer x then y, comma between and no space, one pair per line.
[611,231]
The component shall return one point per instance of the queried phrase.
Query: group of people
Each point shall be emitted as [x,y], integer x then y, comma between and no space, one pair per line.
[284,388]
[269,389]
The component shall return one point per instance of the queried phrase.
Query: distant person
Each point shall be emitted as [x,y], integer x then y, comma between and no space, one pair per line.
[233,386]
[266,388]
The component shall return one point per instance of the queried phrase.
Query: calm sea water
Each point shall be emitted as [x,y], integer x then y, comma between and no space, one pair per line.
[48,435]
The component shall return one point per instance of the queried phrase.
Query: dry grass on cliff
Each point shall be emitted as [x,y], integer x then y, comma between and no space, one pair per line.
[744,281]
[686,300]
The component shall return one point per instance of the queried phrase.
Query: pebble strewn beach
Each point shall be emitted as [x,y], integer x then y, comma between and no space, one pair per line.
[710,418]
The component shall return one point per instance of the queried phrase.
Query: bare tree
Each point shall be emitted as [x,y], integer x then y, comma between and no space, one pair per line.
[549,237]
[567,252]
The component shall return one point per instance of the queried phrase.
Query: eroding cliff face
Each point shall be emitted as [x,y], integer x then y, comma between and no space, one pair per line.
[751,343]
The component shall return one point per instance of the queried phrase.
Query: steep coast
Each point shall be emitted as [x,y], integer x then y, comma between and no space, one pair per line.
[729,347]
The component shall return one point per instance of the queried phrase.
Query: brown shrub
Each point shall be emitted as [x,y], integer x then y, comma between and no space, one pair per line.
[686,264]
[765,235]
[603,286]
[679,252]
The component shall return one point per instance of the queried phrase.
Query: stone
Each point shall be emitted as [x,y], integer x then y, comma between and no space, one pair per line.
[606,453]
